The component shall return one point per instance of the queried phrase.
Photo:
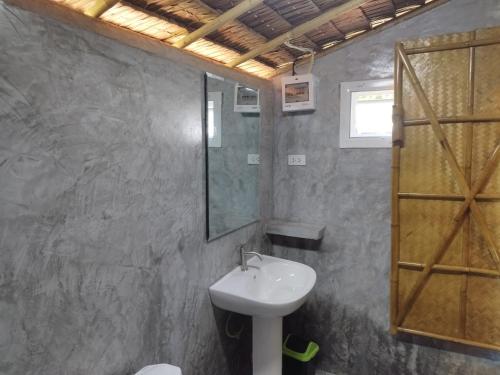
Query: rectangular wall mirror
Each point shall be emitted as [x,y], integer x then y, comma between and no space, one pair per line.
[232,133]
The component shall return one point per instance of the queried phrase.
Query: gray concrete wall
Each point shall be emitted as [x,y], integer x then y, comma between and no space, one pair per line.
[104,265]
[349,191]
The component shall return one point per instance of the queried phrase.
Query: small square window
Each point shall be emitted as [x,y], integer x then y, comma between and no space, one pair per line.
[366,114]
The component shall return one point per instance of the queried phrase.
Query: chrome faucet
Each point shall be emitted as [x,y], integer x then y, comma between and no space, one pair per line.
[243,257]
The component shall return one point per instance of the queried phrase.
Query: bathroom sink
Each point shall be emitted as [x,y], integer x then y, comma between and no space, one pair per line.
[273,287]
[270,289]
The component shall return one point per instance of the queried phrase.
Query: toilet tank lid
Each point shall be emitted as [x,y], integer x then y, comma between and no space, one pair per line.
[161,369]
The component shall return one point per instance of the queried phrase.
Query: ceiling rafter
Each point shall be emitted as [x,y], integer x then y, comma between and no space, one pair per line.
[237,22]
[216,13]
[394,21]
[297,31]
[249,34]
[276,14]
[226,17]
[182,26]
[99,7]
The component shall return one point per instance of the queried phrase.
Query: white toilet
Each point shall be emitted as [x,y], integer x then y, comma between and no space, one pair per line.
[161,369]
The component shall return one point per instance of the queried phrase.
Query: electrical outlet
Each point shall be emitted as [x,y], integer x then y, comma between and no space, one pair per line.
[253,159]
[296,160]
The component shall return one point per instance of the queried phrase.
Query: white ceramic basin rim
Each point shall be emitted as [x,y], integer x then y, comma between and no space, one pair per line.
[271,288]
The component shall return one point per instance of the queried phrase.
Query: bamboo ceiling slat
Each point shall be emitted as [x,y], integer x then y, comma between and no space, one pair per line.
[171,20]
[156,27]
[298,11]
[266,21]
[353,22]
[378,9]
[194,14]
[80,5]
[326,33]
[224,18]
[327,4]
[190,13]
[136,20]
[222,5]
[406,3]
[295,11]
[270,24]
[297,31]
[402,11]
[380,21]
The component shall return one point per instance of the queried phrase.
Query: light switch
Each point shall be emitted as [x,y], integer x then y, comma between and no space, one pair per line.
[253,159]
[296,160]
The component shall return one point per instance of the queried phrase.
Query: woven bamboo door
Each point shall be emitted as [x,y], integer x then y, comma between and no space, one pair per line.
[445,279]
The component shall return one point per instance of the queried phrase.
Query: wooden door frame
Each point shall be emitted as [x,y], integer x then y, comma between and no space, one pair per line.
[470,191]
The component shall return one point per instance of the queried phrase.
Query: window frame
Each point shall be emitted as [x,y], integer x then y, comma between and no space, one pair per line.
[346,88]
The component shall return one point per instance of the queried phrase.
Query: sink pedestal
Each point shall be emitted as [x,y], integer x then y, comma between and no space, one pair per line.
[267,336]
[270,289]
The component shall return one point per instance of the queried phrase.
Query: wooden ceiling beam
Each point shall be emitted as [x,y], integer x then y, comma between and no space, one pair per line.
[297,31]
[99,7]
[226,17]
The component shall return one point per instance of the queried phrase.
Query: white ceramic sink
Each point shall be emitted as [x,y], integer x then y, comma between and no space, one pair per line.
[273,287]
[268,290]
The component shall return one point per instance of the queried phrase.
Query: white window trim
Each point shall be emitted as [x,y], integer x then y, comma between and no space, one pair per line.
[216,97]
[346,88]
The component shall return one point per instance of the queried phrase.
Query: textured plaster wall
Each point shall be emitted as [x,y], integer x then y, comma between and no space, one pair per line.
[104,266]
[349,191]
[233,183]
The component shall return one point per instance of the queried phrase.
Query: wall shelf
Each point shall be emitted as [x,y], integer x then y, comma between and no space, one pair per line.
[286,228]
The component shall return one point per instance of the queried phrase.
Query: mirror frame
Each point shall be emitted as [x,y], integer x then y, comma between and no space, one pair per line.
[204,111]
